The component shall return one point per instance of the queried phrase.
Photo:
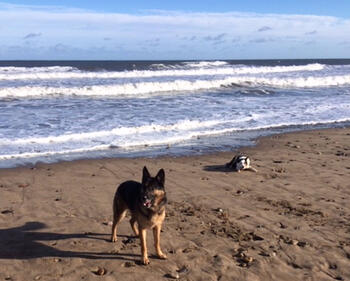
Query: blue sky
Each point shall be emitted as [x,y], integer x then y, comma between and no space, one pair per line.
[155,29]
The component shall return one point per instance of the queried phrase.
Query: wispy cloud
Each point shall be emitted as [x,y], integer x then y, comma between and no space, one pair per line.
[262,40]
[218,37]
[32,35]
[154,42]
[314,32]
[264,28]
[91,31]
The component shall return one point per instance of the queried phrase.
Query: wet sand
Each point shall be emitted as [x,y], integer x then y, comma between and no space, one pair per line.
[288,221]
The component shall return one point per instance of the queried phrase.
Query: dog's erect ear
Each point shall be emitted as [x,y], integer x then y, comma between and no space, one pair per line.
[160,177]
[145,175]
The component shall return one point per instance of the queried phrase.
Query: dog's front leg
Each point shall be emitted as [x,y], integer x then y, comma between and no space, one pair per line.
[156,236]
[144,255]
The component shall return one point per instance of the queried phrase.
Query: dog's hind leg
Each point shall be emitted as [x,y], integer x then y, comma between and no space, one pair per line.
[156,236]
[116,219]
[133,225]
[119,211]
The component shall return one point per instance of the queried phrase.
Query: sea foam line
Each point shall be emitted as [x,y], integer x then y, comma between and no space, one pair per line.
[27,155]
[14,70]
[139,145]
[47,75]
[184,125]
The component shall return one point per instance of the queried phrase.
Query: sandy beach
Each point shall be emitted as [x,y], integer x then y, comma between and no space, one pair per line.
[288,221]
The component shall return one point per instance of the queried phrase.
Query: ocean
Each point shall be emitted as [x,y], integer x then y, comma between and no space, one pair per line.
[64,110]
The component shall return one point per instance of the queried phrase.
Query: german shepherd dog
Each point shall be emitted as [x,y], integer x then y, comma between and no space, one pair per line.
[146,202]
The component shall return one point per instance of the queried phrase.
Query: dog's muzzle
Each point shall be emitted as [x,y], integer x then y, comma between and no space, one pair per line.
[147,202]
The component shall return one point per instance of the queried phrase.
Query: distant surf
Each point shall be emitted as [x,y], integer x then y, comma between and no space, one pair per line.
[51,111]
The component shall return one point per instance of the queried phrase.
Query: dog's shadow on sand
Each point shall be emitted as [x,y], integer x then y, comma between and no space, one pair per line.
[27,242]
[218,168]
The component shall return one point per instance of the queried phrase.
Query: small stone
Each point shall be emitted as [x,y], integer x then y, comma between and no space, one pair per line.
[333,266]
[187,250]
[301,244]
[294,242]
[129,264]
[282,225]
[248,259]
[241,255]
[172,275]
[129,240]
[183,270]
[264,254]
[38,277]
[100,271]
[6,212]
[273,254]
[241,250]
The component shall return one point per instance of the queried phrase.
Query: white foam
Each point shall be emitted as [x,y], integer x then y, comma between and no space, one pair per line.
[27,155]
[144,89]
[136,145]
[14,70]
[205,64]
[183,125]
[60,73]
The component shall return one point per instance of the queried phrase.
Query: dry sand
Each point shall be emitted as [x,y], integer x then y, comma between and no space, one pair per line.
[289,221]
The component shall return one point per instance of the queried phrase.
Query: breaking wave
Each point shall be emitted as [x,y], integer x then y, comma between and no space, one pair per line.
[144,89]
[195,69]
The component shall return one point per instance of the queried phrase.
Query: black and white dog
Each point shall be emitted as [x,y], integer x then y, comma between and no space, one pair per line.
[240,162]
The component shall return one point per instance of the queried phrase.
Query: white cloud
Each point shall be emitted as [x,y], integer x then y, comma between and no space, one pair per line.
[166,32]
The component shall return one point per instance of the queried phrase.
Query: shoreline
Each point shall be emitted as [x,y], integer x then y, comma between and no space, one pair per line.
[291,218]
[251,138]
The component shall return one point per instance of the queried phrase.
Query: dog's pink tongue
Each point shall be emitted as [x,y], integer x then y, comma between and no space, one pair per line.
[147,203]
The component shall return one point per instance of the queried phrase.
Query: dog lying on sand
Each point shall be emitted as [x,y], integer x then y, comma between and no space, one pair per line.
[239,163]
[146,202]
